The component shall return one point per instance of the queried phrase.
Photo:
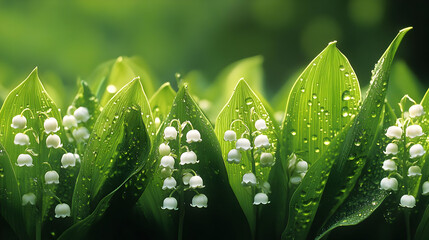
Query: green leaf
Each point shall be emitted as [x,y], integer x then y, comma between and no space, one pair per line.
[31,100]
[222,204]
[348,152]
[118,145]
[239,115]
[114,74]
[322,101]
[85,98]
[366,196]
[161,103]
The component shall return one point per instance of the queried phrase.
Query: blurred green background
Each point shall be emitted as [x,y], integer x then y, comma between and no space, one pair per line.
[68,39]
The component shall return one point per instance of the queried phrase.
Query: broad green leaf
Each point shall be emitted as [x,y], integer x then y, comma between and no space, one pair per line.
[31,100]
[366,196]
[111,76]
[222,204]
[223,86]
[114,149]
[85,98]
[161,103]
[402,81]
[240,114]
[322,101]
[348,151]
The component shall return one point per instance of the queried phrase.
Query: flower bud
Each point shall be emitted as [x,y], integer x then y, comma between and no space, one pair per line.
[21,139]
[388,183]
[260,125]
[68,160]
[234,156]
[260,198]
[391,148]
[295,179]
[24,160]
[193,136]
[243,144]
[196,182]
[62,210]
[389,165]
[414,171]
[28,198]
[169,183]
[19,122]
[164,149]
[425,188]
[170,133]
[230,136]
[266,160]
[394,132]
[167,162]
[81,114]
[262,141]
[249,179]
[69,122]
[81,134]
[52,177]
[416,110]
[417,151]
[408,201]
[188,158]
[170,203]
[186,177]
[199,201]
[414,131]
[301,167]
[53,141]
[51,125]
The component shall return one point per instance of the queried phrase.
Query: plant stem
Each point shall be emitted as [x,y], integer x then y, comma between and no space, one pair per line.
[407,223]
[182,192]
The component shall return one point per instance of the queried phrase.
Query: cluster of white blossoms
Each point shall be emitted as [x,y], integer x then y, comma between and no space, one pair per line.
[406,151]
[187,178]
[53,141]
[261,152]
[71,123]
[297,169]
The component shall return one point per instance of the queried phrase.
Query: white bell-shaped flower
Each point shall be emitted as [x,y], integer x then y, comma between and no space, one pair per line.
[266,187]
[52,177]
[169,183]
[262,141]
[266,159]
[188,157]
[414,131]
[157,122]
[425,188]
[243,144]
[164,149]
[81,114]
[19,122]
[394,132]
[186,177]
[51,125]
[417,150]
[81,134]
[261,125]
[408,201]
[391,148]
[196,182]
[170,133]
[77,157]
[167,162]
[28,198]
[199,201]
[292,161]
[295,179]
[69,122]
[416,110]
[388,183]
[230,136]
[249,179]
[62,210]
[301,167]
[193,136]
[68,160]
[21,139]
[170,203]
[165,172]
[53,141]
[234,156]
[24,160]
[260,198]
[414,171]
[389,165]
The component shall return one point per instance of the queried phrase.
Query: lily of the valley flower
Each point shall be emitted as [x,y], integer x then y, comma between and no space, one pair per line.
[193,136]
[51,125]
[301,167]
[52,177]
[196,182]
[69,121]
[188,157]
[68,160]
[260,198]
[21,139]
[391,148]
[230,136]
[416,110]
[416,151]
[267,159]
[199,201]
[19,122]
[81,114]
[167,162]
[243,144]
[394,132]
[408,201]
[62,210]
[414,131]
[414,171]
[234,156]
[164,149]
[169,183]
[389,165]
[388,183]
[24,160]
[295,179]
[262,141]
[28,198]
[81,134]
[249,179]
[261,125]
[425,188]
[186,177]
[53,141]
[170,203]
[170,133]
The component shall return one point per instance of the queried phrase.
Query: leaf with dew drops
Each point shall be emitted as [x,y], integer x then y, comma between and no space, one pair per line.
[161,103]
[85,98]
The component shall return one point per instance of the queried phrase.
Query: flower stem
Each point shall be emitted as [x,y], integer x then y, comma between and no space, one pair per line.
[407,223]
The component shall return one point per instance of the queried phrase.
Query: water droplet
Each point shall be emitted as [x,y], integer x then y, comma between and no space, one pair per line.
[314,96]
[293,132]
[345,111]
[342,68]
[326,141]
[249,101]
[314,137]
[346,95]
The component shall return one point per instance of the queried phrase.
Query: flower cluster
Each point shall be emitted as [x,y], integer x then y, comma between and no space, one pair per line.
[71,123]
[261,153]
[403,156]
[53,141]
[187,178]
[297,169]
